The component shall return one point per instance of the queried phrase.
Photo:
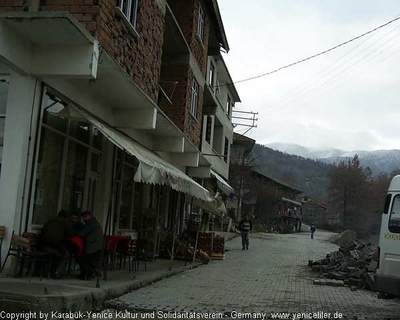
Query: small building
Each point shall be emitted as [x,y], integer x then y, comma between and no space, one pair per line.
[314,212]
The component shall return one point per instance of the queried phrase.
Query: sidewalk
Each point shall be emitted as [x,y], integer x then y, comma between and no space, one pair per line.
[72,294]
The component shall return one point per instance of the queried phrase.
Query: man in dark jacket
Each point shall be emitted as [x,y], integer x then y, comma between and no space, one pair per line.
[92,233]
[245,226]
[54,240]
[76,222]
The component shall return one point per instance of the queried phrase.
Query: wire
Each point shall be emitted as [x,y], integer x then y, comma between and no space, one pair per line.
[343,72]
[313,56]
[299,90]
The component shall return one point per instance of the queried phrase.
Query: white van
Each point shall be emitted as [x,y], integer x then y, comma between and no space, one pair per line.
[388,272]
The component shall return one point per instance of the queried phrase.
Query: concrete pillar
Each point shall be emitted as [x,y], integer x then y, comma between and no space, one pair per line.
[22,108]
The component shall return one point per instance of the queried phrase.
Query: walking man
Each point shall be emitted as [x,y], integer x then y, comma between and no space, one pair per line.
[245,226]
[312,229]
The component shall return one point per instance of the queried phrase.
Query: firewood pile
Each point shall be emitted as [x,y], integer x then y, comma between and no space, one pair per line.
[354,263]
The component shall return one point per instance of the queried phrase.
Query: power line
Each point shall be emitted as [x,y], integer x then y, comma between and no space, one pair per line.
[343,72]
[299,91]
[313,56]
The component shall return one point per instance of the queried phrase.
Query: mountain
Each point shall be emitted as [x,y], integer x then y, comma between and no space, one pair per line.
[308,175]
[379,161]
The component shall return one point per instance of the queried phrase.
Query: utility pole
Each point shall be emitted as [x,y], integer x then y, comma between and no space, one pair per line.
[239,209]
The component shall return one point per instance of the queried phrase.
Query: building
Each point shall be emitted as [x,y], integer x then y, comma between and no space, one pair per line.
[101,109]
[272,197]
[316,212]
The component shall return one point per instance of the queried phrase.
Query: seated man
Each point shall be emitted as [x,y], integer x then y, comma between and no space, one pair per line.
[76,222]
[54,240]
[92,233]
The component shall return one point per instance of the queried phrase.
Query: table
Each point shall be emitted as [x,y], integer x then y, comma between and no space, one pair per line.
[79,244]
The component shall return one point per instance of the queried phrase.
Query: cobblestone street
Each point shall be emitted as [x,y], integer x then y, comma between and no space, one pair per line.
[272,276]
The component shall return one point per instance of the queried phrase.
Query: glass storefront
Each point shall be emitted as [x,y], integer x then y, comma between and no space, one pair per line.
[3,106]
[69,162]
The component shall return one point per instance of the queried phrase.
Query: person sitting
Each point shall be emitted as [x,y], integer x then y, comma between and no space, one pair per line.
[92,233]
[54,240]
[76,222]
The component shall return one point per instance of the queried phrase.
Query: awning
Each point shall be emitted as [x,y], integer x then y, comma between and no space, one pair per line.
[216,206]
[152,168]
[291,201]
[222,184]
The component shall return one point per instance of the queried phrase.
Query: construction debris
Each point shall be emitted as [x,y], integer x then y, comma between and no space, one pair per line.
[354,264]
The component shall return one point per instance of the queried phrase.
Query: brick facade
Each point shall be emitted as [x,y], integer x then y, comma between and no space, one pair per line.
[140,57]
[186,13]
[187,16]
[180,95]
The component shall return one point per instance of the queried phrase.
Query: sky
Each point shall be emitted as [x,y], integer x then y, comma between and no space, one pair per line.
[348,98]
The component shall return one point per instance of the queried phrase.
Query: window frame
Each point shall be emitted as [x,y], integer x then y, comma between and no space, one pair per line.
[129,16]
[226,149]
[194,98]
[208,129]
[229,106]
[212,75]
[68,138]
[390,228]
[201,19]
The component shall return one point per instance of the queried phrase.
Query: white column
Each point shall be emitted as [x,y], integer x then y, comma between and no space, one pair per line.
[22,106]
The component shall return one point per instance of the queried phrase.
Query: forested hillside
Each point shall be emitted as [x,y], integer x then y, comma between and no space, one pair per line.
[308,175]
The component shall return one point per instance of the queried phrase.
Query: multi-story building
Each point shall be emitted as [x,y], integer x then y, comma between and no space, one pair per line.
[101,108]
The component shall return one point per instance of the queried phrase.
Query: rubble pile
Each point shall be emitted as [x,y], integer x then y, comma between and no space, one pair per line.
[354,263]
[347,237]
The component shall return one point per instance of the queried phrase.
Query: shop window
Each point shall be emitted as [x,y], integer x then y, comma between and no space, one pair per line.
[97,138]
[75,173]
[48,176]
[95,162]
[126,197]
[131,160]
[80,130]
[51,116]
[2,127]
[137,209]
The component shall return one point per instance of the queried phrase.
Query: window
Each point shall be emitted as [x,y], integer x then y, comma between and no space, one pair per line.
[229,107]
[68,165]
[200,23]
[211,79]
[217,89]
[129,9]
[208,129]
[394,220]
[387,204]
[226,149]
[194,99]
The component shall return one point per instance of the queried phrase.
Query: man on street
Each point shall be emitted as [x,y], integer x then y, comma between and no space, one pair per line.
[245,226]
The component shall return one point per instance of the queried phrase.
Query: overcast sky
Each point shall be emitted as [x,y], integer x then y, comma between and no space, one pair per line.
[347,99]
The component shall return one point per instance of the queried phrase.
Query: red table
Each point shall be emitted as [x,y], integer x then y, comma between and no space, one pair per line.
[79,244]
[117,243]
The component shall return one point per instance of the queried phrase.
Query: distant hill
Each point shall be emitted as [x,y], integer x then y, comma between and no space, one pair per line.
[307,175]
[379,161]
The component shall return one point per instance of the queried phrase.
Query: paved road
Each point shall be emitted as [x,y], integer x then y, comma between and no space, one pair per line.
[271,276]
